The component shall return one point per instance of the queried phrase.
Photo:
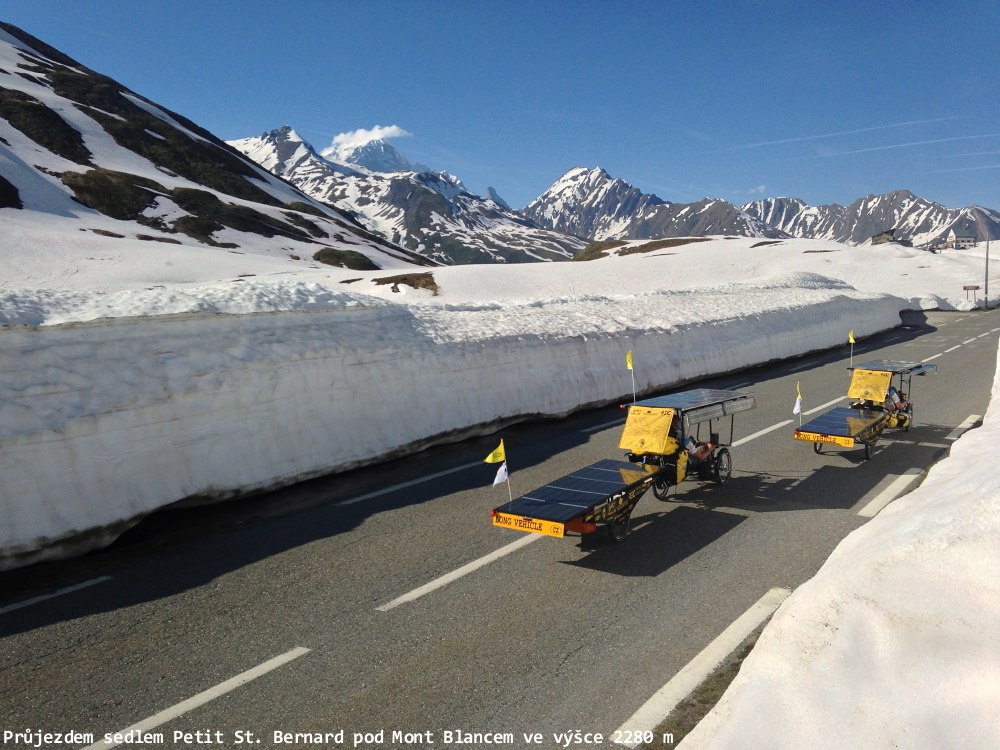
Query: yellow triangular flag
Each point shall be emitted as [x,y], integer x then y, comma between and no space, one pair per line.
[497,456]
[628,359]
[850,336]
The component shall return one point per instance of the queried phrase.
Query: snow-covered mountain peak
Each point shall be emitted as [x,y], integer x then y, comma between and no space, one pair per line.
[78,150]
[913,218]
[376,155]
[283,149]
[590,203]
[493,195]
[431,213]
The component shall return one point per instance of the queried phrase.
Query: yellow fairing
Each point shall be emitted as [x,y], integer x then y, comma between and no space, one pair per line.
[647,430]
[869,385]
[641,471]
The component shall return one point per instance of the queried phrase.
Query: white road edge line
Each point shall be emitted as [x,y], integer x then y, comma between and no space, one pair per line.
[503,551]
[969,341]
[403,485]
[935,356]
[964,427]
[957,346]
[658,707]
[895,489]
[459,572]
[45,597]
[597,427]
[204,697]
[766,430]
[921,444]
[803,366]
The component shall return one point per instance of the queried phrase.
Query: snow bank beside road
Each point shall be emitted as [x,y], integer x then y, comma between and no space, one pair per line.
[105,422]
[895,642]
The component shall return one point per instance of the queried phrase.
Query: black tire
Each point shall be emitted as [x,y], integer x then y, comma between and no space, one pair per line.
[723,466]
[818,447]
[661,488]
[616,532]
[869,449]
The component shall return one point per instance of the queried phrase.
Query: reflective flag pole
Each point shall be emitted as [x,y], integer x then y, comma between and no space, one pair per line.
[628,364]
[499,456]
[850,338]
[797,409]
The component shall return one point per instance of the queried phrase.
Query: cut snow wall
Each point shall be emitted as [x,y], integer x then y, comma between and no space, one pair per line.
[103,423]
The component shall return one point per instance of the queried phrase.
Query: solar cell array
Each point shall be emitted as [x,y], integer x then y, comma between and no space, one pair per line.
[842,422]
[576,493]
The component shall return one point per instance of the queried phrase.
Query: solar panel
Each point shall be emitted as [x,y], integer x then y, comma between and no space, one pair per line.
[702,404]
[693,399]
[843,422]
[896,368]
[578,492]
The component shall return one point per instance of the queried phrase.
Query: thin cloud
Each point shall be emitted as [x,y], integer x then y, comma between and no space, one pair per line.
[968,153]
[361,136]
[908,145]
[961,169]
[803,138]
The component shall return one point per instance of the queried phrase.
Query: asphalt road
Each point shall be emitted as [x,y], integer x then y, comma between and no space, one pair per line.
[553,635]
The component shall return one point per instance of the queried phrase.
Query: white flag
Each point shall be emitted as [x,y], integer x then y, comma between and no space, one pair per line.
[797,409]
[501,474]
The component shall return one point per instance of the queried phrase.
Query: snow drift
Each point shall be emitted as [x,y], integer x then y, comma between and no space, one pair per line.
[104,422]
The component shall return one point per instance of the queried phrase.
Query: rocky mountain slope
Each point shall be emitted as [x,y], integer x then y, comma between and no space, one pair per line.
[914,219]
[78,146]
[591,203]
[430,213]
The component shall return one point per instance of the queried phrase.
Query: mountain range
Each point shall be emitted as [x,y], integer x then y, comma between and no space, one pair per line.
[592,203]
[433,214]
[914,219]
[430,213]
[77,145]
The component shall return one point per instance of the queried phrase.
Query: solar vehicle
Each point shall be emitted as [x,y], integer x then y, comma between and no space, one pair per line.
[656,426]
[603,495]
[871,412]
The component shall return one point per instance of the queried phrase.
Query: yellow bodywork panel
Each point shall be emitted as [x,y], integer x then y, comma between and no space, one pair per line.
[815,437]
[869,385]
[531,525]
[647,430]
[630,476]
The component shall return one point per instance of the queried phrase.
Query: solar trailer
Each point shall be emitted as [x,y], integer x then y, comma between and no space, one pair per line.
[845,427]
[600,495]
[604,494]
[863,422]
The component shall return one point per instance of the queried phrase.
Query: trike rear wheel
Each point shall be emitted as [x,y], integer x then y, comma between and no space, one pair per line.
[616,531]
[723,466]
[661,488]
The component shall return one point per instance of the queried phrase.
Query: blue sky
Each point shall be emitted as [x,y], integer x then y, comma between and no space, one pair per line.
[825,101]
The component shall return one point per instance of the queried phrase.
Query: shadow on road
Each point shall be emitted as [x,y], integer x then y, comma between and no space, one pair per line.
[178,549]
